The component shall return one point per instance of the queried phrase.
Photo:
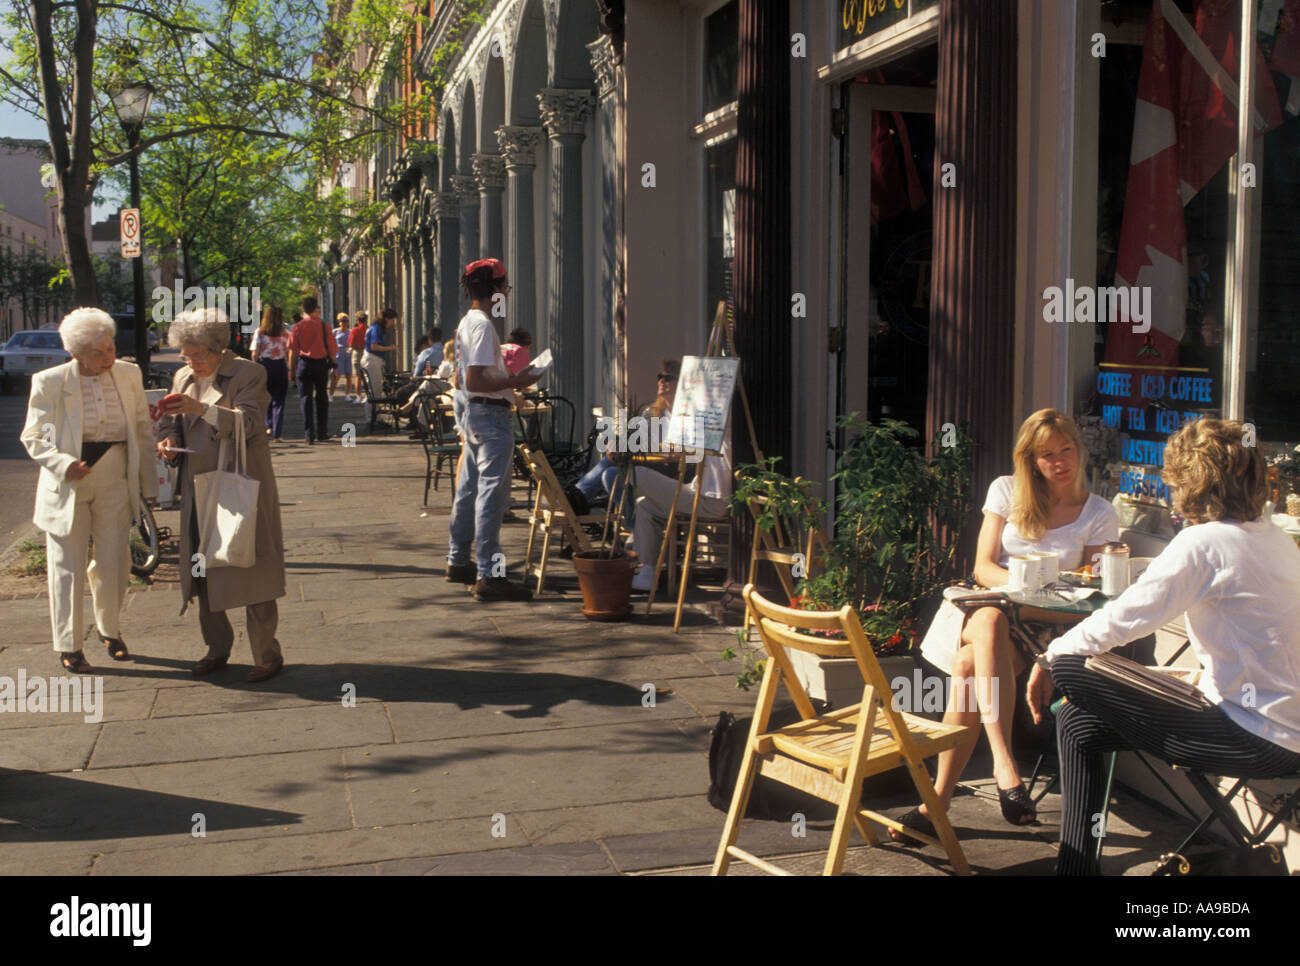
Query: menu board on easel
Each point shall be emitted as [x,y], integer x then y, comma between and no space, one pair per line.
[703,402]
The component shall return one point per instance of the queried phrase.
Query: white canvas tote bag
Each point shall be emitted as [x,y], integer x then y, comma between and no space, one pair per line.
[226,505]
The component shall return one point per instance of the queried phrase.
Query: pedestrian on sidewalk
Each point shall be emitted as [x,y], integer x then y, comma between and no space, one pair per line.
[343,359]
[213,390]
[356,347]
[88,427]
[483,487]
[311,350]
[271,349]
[377,347]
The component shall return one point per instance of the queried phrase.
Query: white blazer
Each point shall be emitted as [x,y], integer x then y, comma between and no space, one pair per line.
[53,434]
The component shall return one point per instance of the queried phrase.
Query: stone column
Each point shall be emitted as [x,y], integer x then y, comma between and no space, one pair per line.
[406,264]
[608,366]
[468,197]
[565,113]
[519,147]
[490,173]
[429,271]
[447,213]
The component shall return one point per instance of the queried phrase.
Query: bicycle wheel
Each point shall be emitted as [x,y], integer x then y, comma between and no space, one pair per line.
[144,543]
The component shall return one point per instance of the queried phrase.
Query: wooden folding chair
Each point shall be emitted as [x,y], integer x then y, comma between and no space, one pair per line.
[553,512]
[829,755]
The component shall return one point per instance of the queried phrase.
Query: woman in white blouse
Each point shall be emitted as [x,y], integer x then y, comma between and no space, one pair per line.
[1237,578]
[1044,507]
[88,427]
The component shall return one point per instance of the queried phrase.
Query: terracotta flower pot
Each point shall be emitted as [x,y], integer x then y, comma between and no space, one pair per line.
[606,585]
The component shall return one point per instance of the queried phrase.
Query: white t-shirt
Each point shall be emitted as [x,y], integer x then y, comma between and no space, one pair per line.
[477,345]
[1097,523]
[1239,585]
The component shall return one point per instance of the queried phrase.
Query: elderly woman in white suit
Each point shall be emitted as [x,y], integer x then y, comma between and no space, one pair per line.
[88,427]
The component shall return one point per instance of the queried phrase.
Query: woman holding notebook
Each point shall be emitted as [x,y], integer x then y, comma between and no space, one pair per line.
[1236,576]
[1044,507]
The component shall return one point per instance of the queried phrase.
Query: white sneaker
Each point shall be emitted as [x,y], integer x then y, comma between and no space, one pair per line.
[360,400]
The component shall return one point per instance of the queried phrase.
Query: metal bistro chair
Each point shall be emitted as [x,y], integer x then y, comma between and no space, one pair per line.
[382,403]
[829,755]
[441,444]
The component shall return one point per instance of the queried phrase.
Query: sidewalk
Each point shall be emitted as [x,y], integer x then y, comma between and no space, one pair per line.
[485,738]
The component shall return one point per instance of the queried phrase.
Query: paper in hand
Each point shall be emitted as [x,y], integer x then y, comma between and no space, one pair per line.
[543,361]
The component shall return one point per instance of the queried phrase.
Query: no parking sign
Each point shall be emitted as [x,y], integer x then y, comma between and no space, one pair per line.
[130,232]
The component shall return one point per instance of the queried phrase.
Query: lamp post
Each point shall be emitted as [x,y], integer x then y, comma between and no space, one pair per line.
[131,102]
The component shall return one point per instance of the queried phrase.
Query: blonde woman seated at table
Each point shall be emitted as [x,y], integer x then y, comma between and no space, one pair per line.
[1236,577]
[1043,508]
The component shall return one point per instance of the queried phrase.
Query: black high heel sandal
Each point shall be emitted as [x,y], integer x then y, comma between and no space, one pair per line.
[1017,806]
[917,823]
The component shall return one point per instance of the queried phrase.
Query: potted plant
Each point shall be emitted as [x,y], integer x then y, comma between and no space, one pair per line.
[899,516]
[605,572]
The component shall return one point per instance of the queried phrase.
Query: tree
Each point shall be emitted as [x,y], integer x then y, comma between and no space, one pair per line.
[286,71]
[35,280]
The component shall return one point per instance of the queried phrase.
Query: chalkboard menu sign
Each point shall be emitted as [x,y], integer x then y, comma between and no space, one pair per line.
[863,18]
[1146,405]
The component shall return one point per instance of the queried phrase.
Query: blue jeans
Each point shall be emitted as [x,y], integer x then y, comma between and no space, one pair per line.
[603,478]
[483,489]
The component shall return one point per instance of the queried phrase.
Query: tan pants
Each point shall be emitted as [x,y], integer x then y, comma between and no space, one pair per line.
[102,512]
[260,620]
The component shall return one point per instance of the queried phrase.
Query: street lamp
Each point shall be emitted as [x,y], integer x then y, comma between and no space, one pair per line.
[131,102]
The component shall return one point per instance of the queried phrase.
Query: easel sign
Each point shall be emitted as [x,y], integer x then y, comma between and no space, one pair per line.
[703,403]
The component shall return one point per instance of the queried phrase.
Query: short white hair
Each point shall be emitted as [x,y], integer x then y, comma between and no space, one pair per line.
[83,329]
[207,328]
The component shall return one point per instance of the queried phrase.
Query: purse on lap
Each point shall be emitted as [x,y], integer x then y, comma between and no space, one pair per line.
[225,504]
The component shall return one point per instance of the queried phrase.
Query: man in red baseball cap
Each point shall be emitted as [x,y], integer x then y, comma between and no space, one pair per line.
[484,419]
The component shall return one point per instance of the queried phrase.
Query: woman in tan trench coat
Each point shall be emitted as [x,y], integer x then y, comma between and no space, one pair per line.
[209,393]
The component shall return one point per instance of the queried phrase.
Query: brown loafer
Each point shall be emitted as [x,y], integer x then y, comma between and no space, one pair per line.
[209,665]
[262,672]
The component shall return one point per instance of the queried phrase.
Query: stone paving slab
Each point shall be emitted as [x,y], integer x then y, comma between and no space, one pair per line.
[522,772]
[216,736]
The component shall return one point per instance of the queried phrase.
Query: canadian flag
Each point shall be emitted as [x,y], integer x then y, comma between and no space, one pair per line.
[1184,131]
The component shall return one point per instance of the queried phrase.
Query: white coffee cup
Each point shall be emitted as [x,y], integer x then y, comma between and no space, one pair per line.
[1023,572]
[1049,569]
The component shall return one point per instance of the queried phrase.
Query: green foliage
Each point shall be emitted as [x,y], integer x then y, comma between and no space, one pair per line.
[775,496]
[273,93]
[38,282]
[33,560]
[898,520]
[752,665]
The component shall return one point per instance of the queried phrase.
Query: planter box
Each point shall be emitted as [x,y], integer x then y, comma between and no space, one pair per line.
[837,680]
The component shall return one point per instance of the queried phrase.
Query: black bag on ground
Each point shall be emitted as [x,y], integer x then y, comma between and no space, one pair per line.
[769,799]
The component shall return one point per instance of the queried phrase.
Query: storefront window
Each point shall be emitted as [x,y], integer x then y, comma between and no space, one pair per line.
[721,56]
[720,236]
[1165,247]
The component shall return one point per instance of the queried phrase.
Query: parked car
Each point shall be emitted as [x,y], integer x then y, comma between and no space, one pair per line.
[124,343]
[30,351]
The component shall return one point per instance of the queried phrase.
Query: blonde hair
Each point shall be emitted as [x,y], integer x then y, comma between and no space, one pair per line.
[1213,474]
[449,351]
[1031,504]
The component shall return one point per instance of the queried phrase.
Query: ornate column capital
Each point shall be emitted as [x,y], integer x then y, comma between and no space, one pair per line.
[489,171]
[466,186]
[519,145]
[446,205]
[604,63]
[565,110]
